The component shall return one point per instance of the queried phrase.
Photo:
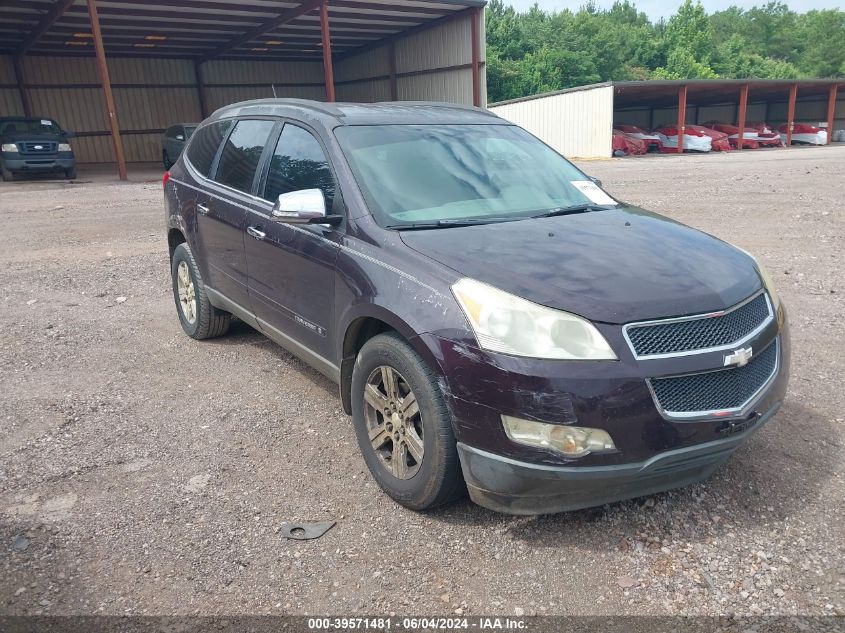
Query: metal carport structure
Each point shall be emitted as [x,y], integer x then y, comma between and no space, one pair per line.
[579,121]
[160,62]
[681,96]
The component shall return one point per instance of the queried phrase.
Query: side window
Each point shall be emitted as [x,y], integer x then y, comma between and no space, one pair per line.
[299,163]
[241,154]
[204,146]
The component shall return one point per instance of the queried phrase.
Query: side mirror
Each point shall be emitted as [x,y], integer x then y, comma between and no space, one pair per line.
[596,180]
[307,206]
[180,137]
[69,134]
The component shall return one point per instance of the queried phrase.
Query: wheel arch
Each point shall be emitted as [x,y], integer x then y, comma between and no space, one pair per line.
[360,330]
[175,237]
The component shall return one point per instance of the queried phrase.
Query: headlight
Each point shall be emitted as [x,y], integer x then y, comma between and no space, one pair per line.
[505,323]
[65,147]
[770,286]
[9,147]
[572,441]
[767,280]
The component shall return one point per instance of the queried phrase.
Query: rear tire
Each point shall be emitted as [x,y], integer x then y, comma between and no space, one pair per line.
[198,317]
[421,470]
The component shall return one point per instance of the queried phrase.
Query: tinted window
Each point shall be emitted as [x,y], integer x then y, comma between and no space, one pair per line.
[171,132]
[299,163]
[241,154]
[204,146]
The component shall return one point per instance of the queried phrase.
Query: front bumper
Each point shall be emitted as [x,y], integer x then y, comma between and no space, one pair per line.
[32,164]
[654,451]
[515,487]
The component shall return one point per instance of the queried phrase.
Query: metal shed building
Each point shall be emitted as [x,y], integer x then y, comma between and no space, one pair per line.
[578,122]
[118,73]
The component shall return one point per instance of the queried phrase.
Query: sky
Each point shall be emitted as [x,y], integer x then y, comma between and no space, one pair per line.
[661,8]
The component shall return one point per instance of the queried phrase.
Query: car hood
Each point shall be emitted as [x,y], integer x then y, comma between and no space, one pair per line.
[613,266]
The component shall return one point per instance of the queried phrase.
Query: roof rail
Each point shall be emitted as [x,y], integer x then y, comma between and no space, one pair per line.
[308,104]
[442,104]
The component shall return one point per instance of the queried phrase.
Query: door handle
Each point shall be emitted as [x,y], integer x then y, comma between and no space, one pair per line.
[202,209]
[254,232]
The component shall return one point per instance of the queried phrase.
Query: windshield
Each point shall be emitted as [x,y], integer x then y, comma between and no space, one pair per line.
[30,127]
[412,174]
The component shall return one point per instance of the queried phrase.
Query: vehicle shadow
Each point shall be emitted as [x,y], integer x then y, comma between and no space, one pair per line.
[771,478]
[241,334]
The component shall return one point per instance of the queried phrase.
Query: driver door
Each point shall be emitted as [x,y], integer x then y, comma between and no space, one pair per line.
[292,267]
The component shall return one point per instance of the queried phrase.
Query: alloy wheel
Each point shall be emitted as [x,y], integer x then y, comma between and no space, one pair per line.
[393,422]
[187,293]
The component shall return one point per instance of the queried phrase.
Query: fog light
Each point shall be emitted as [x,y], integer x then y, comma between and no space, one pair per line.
[572,441]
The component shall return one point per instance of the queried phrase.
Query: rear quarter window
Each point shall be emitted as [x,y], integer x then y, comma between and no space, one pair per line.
[204,145]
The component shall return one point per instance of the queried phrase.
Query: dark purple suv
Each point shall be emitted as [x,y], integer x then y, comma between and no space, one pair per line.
[495,321]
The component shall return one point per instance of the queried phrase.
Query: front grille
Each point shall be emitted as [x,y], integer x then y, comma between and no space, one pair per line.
[724,389]
[700,333]
[31,147]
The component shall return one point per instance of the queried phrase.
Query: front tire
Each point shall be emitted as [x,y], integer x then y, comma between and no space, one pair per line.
[198,317]
[70,174]
[403,426]
[6,174]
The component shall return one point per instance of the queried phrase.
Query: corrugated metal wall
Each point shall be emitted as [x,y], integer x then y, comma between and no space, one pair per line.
[364,78]
[228,82]
[10,98]
[151,94]
[431,65]
[578,124]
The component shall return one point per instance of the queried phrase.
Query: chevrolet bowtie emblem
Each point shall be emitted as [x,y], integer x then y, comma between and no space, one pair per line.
[739,358]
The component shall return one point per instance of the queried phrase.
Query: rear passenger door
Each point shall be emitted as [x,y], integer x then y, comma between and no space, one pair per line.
[292,268]
[192,192]
[222,219]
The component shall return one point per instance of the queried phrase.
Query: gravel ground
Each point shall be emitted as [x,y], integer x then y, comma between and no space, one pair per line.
[144,473]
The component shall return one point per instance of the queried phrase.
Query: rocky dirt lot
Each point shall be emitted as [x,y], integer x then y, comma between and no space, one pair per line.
[142,472]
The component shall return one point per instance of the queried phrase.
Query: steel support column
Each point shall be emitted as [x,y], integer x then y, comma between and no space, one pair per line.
[831,111]
[103,69]
[394,83]
[743,110]
[682,117]
[475,18]
[17,63]
[327,50]
[790,115]
[200,89]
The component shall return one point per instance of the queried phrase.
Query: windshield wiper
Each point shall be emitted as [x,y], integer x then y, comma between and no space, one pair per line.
[448,224]
[571,210]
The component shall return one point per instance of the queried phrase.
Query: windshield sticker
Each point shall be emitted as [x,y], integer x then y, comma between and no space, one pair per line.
[46,122]
[593,192]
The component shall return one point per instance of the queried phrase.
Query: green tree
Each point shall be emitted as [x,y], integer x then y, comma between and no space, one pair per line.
[689,41]
[535,50]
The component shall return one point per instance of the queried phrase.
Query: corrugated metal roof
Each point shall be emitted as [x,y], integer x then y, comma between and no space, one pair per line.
[195,29]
